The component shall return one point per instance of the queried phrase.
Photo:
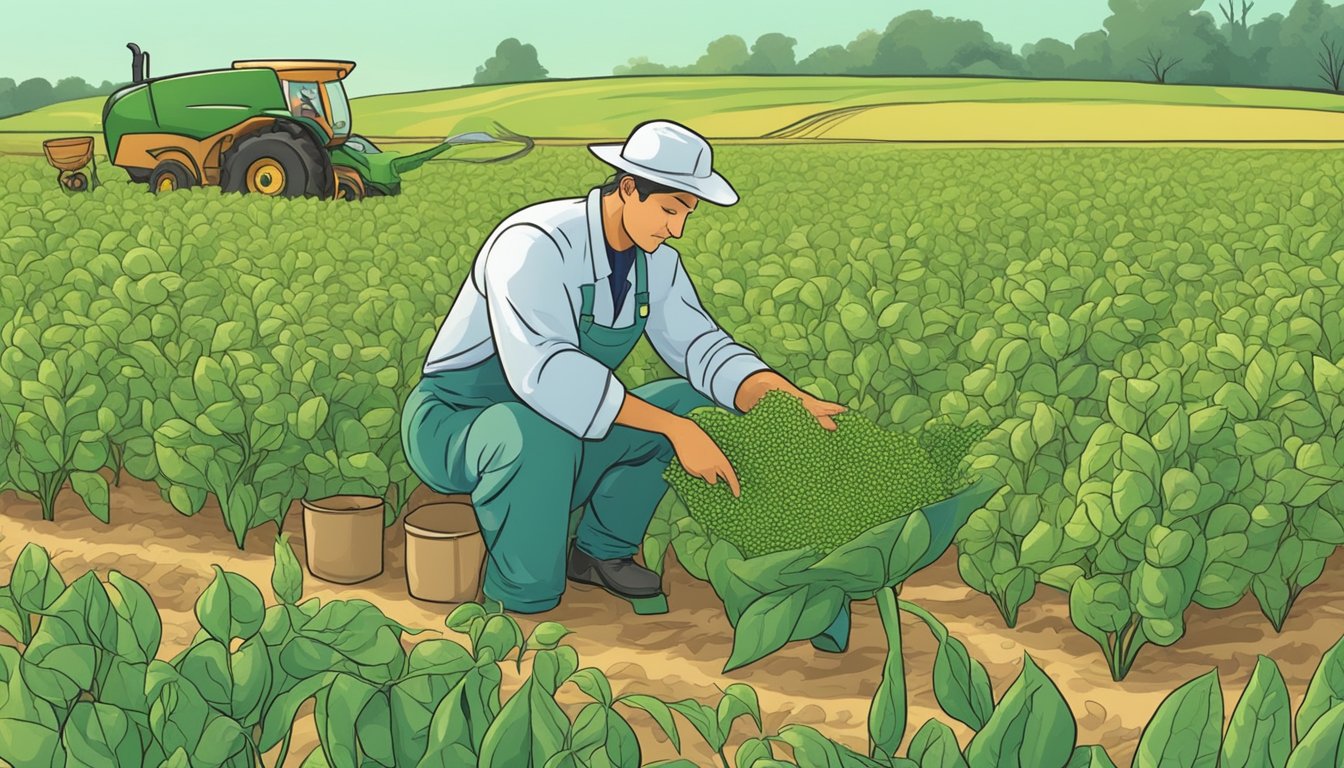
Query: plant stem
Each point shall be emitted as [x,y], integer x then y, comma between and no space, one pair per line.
[724,758]
[118,462]
[887,716]
[48,488]
[284,749]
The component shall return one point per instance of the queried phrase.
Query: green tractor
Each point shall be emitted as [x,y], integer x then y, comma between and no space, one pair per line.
[270,127]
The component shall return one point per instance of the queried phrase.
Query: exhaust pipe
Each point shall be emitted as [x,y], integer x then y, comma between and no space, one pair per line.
[139,64]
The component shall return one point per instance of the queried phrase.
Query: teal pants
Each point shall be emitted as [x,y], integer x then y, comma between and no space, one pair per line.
[526,475]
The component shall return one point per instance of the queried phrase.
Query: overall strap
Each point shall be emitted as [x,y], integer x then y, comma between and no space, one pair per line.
[641,285]
[586,311]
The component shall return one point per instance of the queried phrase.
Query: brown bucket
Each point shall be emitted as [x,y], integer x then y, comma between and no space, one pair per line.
[444,552]
[343,538]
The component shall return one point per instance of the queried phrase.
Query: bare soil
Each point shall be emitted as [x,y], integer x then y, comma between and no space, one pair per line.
[681,654]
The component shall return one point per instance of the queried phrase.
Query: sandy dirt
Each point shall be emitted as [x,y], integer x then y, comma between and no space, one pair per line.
[681,654]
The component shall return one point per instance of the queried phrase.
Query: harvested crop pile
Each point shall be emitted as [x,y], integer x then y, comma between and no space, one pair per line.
[806,487]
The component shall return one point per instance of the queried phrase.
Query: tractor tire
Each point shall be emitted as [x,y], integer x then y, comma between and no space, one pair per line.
[76,182]
[169,175]
[139,175]
[283,161]
[348,191]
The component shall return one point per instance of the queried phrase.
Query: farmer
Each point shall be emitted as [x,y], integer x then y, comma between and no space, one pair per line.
[519,406]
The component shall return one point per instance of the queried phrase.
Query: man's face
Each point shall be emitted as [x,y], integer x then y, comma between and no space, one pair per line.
[651,221]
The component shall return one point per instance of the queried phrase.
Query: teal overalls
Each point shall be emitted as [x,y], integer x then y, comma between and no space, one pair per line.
[465,431]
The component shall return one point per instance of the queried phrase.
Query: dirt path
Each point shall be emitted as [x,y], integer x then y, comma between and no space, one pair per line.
[681,654]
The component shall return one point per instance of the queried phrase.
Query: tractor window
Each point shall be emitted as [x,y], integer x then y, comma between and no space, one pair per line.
[304,100]
[340,108]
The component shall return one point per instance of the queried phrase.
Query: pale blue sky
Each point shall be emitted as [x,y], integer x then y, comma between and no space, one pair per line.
[403,45]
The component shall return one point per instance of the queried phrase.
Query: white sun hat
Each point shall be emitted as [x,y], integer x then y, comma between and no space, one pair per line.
[670,154]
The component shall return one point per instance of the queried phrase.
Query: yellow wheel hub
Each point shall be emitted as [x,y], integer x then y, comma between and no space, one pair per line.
[167,183]
[266,177]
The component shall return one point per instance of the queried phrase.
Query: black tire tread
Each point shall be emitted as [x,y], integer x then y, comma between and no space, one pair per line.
[321,181]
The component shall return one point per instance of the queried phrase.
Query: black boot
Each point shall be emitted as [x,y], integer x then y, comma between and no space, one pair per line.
[622,576]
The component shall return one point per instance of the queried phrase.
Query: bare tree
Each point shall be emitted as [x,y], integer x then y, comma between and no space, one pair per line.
[1157,67]
[1331,61]
[1230,13]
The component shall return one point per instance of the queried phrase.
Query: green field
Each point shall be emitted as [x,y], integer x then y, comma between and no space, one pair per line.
[1155,337]
[786,108]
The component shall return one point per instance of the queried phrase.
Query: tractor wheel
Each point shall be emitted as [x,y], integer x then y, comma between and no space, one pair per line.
[76,182]
[281,162]
[170,175]
[348,191]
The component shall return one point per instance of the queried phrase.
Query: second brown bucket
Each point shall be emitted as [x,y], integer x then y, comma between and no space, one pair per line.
[343,538]
[444,552]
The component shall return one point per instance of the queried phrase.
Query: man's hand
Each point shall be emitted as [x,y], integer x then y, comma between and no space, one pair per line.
[823,410]
[701,456]
[755,386]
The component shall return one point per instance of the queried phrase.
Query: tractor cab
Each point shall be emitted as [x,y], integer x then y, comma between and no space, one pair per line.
[312,90]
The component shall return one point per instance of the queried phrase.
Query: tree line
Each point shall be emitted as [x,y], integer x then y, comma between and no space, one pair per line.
[16,97]
[1164,41]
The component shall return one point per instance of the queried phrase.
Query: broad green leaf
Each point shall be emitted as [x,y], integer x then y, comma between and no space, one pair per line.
[98,735]
[1090,757]
[811,748]
[594,684]
[738,699]
[1323,744]
[1186,730]
[659,711]
[935,746]
[230,607]
[338,708]
[286,574]
[529,729]
[1032,725]
[35,583]
[92,488]
[767,624]
[141,629]
[752,750]
[960,683]
[1325,690]
[546,635]
[1260,732]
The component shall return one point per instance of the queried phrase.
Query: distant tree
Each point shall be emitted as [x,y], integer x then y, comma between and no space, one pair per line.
[31,94]
[1294,41]
[642,66]
[71,88]
[772,54]
[1173,29]
[857,56]
[1094,58]
[513,62]
[1331,59]
[1159,64]
[1235,22]
[830,60]
[918,42]
[726,54]
[1048,58]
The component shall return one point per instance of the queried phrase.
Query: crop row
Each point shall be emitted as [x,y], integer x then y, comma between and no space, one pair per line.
[1158,335]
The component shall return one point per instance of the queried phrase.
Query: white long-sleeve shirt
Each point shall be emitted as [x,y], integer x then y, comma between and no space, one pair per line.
[522,302]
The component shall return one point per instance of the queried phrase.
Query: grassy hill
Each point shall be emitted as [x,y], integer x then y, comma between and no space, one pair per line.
[788,108]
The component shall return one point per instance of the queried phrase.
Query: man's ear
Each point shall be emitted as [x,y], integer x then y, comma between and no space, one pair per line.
[628,188]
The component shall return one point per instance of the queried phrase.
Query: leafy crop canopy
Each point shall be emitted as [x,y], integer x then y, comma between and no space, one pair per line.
[807,487]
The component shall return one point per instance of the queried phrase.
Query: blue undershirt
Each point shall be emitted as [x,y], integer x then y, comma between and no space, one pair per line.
[621,262]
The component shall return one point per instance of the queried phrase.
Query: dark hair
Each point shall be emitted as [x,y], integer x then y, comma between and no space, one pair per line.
[643,186]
